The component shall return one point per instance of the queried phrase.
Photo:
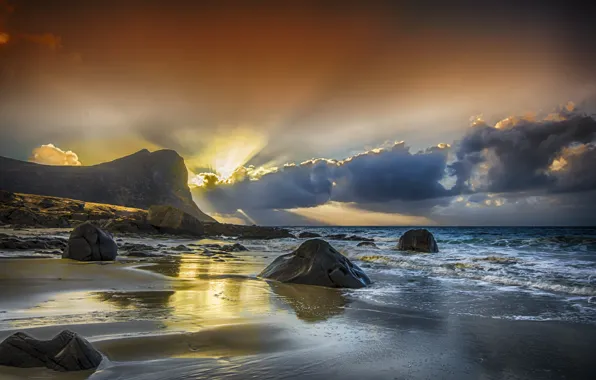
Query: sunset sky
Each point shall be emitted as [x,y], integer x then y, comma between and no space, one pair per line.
[318,112]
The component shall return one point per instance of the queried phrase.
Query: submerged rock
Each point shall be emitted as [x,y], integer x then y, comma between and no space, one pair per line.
[306,235]
[89,243]
[419,240]
[67,351]
[348,238]
[369,244]
[316,262]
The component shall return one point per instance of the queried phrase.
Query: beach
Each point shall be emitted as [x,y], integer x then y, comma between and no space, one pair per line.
[186,315]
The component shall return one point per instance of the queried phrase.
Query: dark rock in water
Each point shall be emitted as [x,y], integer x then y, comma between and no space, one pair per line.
[27,243]
[369,244]
[180,248]
[236,247]
[348,238]
[419,240]
[316,262]
[169,218]
[89,243]
[139,254]
[67,351]
[246,232]
[127,246]
[308,235]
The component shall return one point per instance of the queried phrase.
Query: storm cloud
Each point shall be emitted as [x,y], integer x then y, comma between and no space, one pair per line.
[519,154]
[379,175]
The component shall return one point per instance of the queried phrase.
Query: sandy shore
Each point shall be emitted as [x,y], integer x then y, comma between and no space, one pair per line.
[187,317]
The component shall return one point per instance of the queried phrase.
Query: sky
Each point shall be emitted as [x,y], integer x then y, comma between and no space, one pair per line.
[318,112]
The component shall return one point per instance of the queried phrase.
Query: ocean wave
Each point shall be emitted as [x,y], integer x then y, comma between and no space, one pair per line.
[484,272]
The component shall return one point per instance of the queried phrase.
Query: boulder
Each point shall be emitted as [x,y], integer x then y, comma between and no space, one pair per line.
[308,235]
[369,244]
[67,351]
[316,262]
[171,219]
[419,240]
[236,247]
[89,243]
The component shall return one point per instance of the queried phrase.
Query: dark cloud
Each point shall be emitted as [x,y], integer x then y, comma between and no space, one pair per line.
[381,175]
[517,155]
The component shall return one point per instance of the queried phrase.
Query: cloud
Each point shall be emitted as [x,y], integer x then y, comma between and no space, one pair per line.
[376,176]
[49,154]
[554,153]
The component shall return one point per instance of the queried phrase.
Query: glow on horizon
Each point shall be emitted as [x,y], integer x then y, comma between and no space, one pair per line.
[346,214]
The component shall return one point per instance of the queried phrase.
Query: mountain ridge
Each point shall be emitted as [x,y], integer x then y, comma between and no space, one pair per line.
[140,180]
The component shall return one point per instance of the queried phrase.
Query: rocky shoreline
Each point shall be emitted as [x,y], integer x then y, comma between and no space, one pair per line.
[38,211]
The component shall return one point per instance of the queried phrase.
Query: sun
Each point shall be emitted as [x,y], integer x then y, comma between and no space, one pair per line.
[224,154]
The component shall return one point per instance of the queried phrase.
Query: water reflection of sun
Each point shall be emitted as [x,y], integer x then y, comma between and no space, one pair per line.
[217,298]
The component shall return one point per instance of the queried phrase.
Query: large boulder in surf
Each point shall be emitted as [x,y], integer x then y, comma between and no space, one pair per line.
[67,351]
[89,243]
[171,219]
[316,262]
[418,240]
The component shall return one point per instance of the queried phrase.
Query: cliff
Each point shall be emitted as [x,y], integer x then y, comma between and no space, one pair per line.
[140,180]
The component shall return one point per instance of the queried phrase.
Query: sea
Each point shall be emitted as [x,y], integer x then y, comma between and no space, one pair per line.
[519,273]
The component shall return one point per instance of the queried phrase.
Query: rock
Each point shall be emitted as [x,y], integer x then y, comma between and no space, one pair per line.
[246,232]
[7,196]
[127,246]
[180,248]
[308,235]
[27,243]
[46,203]
[80,217]
[419,240]
[369,244]
[139,254]
[67,351]
[236,247]
[169,218]
[89,243]
[316,262]
[348,238]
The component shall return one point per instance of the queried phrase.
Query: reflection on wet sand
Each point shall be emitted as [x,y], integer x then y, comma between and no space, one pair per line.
[217,342]
[208,293]
[311,303]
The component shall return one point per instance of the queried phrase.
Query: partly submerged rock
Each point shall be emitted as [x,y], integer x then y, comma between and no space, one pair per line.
[419,240]
[316,262]
[67,351]
[171,219]
[368,244]
[89,243]
[308,235]
[348,238]
[236,247]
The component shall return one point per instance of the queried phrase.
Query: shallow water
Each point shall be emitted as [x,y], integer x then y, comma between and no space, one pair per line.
[497,272]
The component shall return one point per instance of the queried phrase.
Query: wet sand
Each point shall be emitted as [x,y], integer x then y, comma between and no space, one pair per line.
[189,316]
